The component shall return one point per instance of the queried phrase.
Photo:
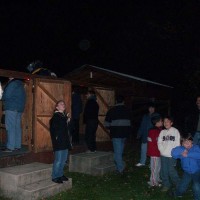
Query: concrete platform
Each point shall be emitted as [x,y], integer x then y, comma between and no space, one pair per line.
[30,182]
[97,163]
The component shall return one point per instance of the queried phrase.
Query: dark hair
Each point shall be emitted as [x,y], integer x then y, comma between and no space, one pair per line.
[119,98]
[91,92]
[185,137]
[155,119]
[169,118]
[151,104]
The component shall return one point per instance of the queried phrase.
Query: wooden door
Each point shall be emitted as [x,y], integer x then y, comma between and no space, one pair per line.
[27,115]
[46,93]
[105,99]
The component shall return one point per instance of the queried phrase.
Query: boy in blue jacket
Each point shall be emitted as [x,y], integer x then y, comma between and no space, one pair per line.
[189,155]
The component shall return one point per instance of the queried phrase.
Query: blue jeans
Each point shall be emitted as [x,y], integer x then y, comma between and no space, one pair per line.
[168,171]
[118,146]
[185,181]
[196,138]
[13,128]
[60,157]
[143,154]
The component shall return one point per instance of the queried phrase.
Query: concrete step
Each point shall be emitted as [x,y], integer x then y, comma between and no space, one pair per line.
[86,162]
[30,181]
[41,189]
[103,168]
[24,174]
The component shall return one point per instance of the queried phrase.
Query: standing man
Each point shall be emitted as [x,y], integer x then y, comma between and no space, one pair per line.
[145,125]
[192,123]
[14,102]
[90,119]
[118,121]
[76,111]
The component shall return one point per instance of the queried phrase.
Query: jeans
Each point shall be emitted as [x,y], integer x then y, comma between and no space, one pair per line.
[90,134]
[13,128]
[168,171]
[60,157]
[185,181]
[118,146]
[143,154]
[196,139]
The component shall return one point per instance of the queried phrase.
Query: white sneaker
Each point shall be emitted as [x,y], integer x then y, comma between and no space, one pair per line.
[149,183]
[139,165]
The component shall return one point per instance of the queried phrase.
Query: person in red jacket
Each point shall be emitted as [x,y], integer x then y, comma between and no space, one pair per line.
[153,152]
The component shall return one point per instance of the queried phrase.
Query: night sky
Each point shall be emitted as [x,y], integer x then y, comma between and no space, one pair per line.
[156,40]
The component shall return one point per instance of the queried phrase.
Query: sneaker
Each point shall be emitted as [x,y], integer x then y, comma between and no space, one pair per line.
[139,165]
[7,150]
[164,189]
[149,183]
[64,178]
[159,185]
[57,180]
[17,149]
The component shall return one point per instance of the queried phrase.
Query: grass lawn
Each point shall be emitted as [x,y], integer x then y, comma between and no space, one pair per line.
[131,186]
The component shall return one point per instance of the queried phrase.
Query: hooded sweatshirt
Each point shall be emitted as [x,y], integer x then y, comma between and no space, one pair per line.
[191,163]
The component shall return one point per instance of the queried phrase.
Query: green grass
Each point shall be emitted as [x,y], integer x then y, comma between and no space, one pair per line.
[131,186]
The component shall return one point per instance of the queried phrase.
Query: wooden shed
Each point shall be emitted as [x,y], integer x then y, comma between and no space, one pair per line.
[42,93]
[107,83]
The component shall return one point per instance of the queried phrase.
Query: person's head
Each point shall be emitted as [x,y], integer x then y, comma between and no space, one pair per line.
[90,93]
[34,65]
[168,122]
[187,141]
[119,99]
[198,102]
[60,106]
[151,108]
[157,121]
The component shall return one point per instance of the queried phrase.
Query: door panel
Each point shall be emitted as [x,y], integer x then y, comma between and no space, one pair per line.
[47,93]
[105,99]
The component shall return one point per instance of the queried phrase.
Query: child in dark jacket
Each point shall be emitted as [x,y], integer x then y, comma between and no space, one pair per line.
[59,130]
[153,152]
[189,155]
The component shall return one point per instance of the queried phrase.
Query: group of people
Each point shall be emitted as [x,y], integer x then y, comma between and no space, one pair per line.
[117,121]
[164,145]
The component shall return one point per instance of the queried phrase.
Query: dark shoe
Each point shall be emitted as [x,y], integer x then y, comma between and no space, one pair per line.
[64,178]
[17,149]
[89,151]
[7,150]
[173,193]
[57,180]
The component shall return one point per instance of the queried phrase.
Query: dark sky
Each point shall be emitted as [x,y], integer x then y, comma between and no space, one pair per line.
[157,40]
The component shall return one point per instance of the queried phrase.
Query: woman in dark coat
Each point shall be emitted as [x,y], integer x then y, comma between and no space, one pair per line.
[59,130]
